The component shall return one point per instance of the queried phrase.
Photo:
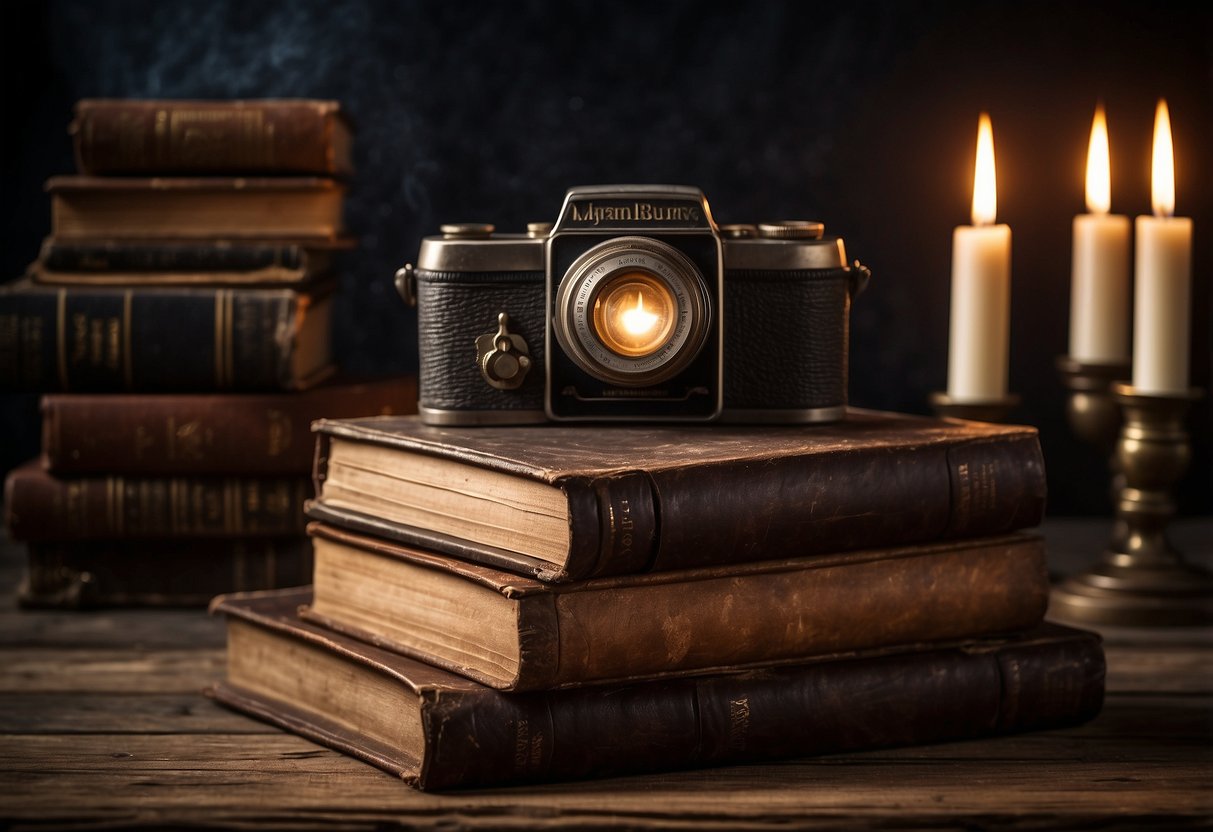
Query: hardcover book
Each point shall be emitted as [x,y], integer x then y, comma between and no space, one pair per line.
[128,136]
[91,207]
[436,730]
[39,506]
[573,502]
[107,339]
[516,633]
[168,572]
[182,263]
[197,434]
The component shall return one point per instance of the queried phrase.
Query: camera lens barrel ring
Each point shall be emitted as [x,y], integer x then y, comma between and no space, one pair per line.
[634,259]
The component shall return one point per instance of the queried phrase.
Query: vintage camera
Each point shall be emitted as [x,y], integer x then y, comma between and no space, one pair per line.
[633,306]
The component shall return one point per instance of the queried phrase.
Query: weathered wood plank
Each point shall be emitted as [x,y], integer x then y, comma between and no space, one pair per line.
[48,670]
[104,628]
[120,713]
[1131,668]
[225,776]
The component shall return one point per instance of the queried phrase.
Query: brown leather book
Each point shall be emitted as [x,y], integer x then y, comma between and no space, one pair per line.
[39,506]
[564,502]
[186,434]
[181,572]
[128,136]
[160,338]
[265,208]
[436,730]
[209,262]
[515,633]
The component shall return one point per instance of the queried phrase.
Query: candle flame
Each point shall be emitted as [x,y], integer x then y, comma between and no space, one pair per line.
[638,320]
[1099,176]
[1162,168]
[985,188]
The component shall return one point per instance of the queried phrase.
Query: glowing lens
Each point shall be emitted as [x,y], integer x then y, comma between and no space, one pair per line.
[634,314]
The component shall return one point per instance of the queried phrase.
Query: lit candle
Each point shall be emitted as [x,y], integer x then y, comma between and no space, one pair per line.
[1099,289]
[1163,274]
[981,289]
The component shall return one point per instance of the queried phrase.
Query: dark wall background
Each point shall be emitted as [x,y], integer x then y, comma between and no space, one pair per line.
[860,114]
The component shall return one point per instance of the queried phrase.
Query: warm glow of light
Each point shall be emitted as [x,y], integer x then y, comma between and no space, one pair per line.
[1162,167]
[985,189]
[638,320]
[1099,176]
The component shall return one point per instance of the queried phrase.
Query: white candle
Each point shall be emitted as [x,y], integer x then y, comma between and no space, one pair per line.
[1163,278]
[981,289]
[1099,288]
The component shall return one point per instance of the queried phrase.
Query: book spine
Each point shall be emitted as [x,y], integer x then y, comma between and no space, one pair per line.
[614,525]
[159,573]
[82,339]
[183,257]
[720,621]
[826,707]
[736,513]
[248,138]
[41,507]
[200,435]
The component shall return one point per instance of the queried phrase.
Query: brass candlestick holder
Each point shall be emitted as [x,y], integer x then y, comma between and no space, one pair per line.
[993,410]
[1142,580]
[1092,413]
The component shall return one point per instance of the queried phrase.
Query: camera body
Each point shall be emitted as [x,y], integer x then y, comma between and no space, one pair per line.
[633,306]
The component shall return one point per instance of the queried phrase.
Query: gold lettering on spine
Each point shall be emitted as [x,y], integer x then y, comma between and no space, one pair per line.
[739,723]
[161,141]
[61,326]
[228,336]
[219,339]
[127,367]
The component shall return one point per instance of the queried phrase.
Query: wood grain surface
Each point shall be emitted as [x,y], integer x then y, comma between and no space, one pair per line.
[102,725]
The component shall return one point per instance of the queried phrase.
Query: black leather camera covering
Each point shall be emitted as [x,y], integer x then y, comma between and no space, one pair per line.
[453,310]
[785,338]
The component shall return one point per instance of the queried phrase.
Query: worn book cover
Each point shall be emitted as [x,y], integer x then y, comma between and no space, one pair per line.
[167,572]
[517,633]
[261,208]
[125,136]
[569,502]
[159,338]
[199,433]
[217,262]
[436,730]
[40,506]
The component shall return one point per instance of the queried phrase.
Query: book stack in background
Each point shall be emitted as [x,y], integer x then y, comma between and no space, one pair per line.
[178,317]
[508,604]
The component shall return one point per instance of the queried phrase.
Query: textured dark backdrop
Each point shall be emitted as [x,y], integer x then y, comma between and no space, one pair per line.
[860,114]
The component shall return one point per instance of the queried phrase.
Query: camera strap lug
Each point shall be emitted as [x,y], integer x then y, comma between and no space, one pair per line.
[858,279]
[406,284]
[503,357]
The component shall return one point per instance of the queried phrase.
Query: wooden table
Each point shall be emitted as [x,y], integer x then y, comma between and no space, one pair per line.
[102,725]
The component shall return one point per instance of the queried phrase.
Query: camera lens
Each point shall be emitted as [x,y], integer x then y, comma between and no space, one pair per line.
[632,311]
[634,314]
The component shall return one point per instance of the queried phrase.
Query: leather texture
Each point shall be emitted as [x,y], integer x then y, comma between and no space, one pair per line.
[474,736]
[785,339]
[724,494]
[765,613]
[453,310]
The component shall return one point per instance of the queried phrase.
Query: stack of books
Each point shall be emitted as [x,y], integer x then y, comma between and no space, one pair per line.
[508,604]
[178,319]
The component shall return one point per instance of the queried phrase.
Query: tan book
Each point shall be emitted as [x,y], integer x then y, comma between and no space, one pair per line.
[299,208]
[515,633]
